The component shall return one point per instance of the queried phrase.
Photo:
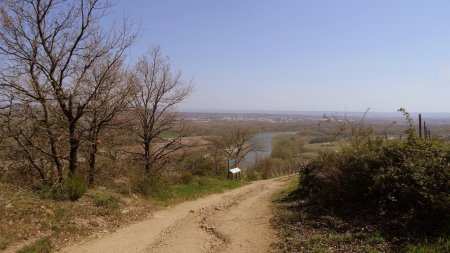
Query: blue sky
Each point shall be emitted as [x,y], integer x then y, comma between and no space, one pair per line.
[302,55]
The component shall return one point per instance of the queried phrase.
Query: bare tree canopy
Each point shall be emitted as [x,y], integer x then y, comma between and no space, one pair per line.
[56,60]
[110,101]
[236,144]
[160,90]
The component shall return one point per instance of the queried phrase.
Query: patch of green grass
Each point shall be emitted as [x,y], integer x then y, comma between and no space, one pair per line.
[346,238]
[375,239]
[195,189]
[438,246]
[311,150]
[308,155]
[168,134]
[43,245]
[291,188]
[106,202]
[314,240]
[328,146]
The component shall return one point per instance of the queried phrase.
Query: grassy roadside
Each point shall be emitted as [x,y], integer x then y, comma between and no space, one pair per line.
[305,228]
[30,222]
[197,188]
[302,230]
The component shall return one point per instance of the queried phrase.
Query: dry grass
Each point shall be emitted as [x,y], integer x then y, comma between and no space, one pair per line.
[26,217]
[29,220]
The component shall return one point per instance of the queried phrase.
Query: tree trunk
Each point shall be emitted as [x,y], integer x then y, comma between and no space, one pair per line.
[92,162]
[52,140]
[74,145]
[147,166]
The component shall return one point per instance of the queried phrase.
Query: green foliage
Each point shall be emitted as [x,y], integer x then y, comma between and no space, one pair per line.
[286,149]
[410,131]
[307,228]
[76,187]
[401,179]
[438,246]
[106,202]
[402,186]
[286,146]
[198,164]
[43,245]
[199,187]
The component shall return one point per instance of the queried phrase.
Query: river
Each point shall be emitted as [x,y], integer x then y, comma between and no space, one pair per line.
[264,140]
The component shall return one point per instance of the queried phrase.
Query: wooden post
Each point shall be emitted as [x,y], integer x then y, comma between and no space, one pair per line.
[425,130]
[228,170]
[420,126]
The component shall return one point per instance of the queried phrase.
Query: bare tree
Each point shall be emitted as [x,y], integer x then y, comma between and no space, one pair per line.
[356,130]
[216,152]
[160,90]
[37,133]
[110,101]
[237,143]
[48,50]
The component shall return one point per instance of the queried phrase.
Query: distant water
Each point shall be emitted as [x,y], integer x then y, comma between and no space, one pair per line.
[265,142]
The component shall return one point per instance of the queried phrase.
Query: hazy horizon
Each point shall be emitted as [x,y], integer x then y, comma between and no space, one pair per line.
[302,55]
[300,111]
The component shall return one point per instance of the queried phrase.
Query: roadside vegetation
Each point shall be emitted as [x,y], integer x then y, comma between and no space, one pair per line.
[307,228]
[33,221]
[374,195]
[90,139]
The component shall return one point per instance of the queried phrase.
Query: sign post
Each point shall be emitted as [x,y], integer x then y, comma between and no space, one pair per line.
[233,172]
[230,161]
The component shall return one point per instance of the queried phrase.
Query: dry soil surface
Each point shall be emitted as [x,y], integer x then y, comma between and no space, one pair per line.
[234,221]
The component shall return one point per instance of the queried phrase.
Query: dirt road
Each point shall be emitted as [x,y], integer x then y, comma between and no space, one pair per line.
[235,221]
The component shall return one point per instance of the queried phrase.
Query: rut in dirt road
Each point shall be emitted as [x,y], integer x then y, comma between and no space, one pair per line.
[235,221]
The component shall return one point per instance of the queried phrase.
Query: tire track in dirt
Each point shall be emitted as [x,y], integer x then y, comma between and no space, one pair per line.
[234,221]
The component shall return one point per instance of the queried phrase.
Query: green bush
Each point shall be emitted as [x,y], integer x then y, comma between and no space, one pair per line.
[286,146]
[407,181]
[76,187]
